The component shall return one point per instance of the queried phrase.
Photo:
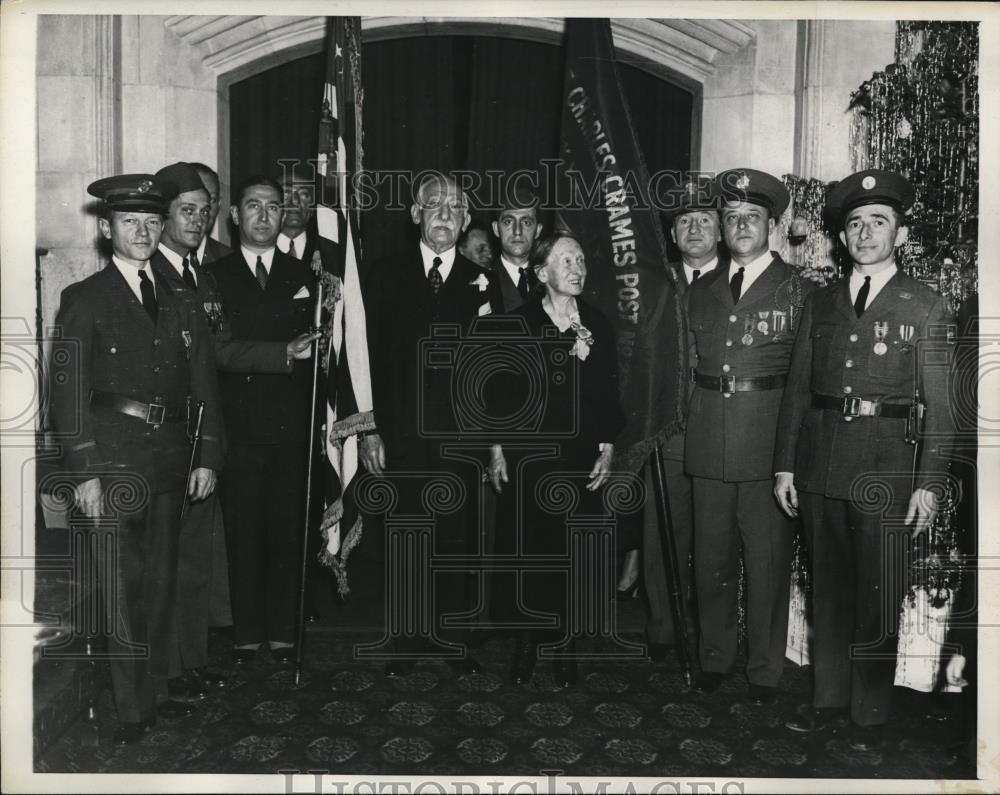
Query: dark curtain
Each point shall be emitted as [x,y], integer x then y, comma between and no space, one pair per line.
[478,103]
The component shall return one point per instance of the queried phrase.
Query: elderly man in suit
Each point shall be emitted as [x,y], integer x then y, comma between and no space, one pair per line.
[203,563]
[138,355]
[742,321]
[406,296]
[694,228]
[867,348]
[210,249]
[266,297]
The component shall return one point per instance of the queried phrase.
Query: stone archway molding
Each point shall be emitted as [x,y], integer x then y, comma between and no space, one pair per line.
[683,50]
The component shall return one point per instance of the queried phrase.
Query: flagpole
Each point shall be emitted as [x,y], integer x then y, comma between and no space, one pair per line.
[300,617]
[667,544]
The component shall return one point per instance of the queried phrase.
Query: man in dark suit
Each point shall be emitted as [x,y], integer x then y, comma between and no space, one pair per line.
[864,349]
[266,296]
[476,245]
[694,228]
[297,238]
[210,249]
[137,354]
[405,296]
[518,228]
[742,321]
[203,563]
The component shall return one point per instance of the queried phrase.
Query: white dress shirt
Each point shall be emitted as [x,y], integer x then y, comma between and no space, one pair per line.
[514,271]
[447,260]
[201,249]
[177,261]
[878,281]
[284,240]
[752,271]
[250,257]
[131,274]
[708,267]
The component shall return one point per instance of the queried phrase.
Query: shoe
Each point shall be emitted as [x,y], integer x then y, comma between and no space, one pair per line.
[207,679]
[816,719]
[175,709]
[708,681]
[761,695]
[283,655]
[567,671]
[184,688]
[467,665]
[396,668]
[130,733]
[525,656]
[657,652]
[866,738]
[244,656]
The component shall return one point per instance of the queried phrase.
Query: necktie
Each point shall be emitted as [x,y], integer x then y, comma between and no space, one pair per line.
[148,296]
[261,273]
[736,285]
[522,283]
[188,276]
[694,276]
[862,299]
[291,249]
[435,275]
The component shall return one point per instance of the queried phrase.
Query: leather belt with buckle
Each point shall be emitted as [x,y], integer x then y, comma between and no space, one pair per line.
[853,406]
[150,413]
[728,384]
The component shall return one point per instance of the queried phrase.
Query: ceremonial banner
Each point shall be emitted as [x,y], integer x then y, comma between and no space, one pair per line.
[349,392]
[618,226]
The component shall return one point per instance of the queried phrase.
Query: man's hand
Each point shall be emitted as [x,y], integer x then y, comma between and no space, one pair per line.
[784,491]
[497,471]
[201,483]
[88,498]
[814,275]
[372,452]
[301,347]
[602,468]
[924,508]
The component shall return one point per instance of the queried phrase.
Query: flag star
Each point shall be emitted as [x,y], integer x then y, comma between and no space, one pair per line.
[338,51]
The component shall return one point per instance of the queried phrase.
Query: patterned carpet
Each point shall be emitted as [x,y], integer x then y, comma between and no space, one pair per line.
[622,719]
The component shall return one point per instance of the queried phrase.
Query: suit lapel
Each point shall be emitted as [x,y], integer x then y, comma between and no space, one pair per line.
[764,284]
[891,288]
[720,287]
[842,300]
[128,299]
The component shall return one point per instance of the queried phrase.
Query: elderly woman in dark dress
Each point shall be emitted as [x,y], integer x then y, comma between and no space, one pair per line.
[587,406]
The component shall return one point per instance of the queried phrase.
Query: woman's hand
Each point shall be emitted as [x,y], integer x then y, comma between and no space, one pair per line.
[602,467]
[497,471]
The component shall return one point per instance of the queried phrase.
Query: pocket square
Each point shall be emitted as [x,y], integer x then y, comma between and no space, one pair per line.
[302,293]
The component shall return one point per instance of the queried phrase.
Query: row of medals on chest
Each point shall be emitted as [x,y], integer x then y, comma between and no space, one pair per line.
[776,320]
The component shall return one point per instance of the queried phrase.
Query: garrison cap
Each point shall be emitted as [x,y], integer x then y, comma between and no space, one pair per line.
[692,196]
[754,187]
[141,193]
[872,186]
[184,176]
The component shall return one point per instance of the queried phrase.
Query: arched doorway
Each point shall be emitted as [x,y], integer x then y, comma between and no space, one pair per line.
[481,103]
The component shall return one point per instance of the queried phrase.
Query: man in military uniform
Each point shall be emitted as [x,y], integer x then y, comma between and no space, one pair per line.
[694,228]
[742,322]
[202,543]
[137,354]
[842,459]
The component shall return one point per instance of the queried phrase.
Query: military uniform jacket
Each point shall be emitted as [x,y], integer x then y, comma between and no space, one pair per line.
[231,355]
[109,343]
[835,356]
[731,438]
[412,396]
[214,251]
[267,408]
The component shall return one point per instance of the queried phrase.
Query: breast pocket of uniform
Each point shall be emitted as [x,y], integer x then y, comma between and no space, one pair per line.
[892,360]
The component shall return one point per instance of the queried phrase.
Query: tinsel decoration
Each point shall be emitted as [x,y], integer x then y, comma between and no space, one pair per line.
[920,117]
[806,243]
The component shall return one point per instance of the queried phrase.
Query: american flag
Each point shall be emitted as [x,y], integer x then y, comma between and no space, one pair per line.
[349,393]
